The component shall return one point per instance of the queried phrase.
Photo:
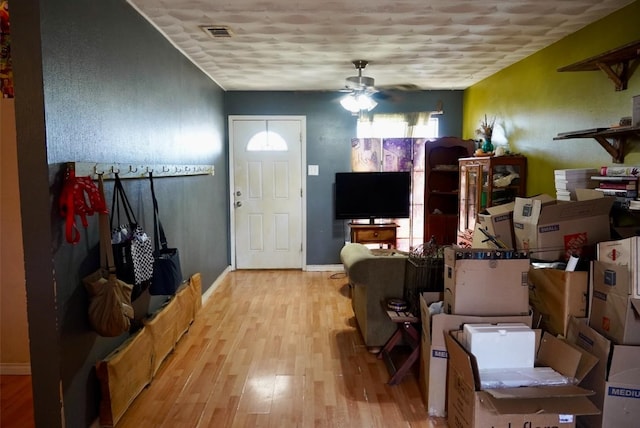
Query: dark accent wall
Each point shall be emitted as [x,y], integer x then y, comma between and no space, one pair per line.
[94,81]
[329,132]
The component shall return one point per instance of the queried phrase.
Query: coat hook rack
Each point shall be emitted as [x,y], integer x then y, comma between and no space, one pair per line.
[108,170]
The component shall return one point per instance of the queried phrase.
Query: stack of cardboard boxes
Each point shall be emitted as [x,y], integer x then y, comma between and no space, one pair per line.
[612,334]
[587,323]
[481,286]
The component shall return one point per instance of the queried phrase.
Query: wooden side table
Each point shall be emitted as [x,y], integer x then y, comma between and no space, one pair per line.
[406,329]
[374,234]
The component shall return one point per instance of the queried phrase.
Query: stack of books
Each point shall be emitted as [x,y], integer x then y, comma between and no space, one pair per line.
[620,182]
[568,180]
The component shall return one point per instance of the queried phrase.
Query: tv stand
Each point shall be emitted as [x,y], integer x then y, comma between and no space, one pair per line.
[382,233]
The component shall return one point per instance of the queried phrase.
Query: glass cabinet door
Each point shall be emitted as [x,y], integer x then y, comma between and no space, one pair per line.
[471,178]
[487,182]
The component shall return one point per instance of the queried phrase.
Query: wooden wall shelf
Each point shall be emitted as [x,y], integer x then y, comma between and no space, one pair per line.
[618,64]
[613,140]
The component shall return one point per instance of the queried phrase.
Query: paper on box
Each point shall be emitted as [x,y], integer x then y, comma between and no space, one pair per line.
[554,230]
[555,296]
[434,356]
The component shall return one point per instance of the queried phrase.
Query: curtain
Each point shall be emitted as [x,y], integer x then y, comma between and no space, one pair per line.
[393,143]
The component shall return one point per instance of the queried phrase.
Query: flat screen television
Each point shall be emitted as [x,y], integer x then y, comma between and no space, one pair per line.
[372,195]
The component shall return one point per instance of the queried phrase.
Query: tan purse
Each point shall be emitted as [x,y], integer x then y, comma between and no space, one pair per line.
[110,310]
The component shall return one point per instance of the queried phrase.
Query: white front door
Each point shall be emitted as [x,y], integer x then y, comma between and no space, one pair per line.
[267,191]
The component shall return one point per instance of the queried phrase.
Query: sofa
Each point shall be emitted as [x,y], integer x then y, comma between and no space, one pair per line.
[374,276]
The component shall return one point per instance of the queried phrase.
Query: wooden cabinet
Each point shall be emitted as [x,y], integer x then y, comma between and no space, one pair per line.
[384,233]
[485,182]
[441,187]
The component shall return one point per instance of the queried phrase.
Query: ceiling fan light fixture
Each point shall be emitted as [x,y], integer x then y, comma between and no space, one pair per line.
[356,102]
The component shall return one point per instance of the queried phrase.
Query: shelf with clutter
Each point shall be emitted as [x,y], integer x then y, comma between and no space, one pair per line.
[613,139]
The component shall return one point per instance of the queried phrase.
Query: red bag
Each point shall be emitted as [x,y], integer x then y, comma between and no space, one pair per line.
[80,196]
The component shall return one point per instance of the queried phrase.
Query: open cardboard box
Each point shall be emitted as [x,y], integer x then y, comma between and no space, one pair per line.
[615,378]
[554,230]
[497,222]
[555,296]
[532,406]
[433,352]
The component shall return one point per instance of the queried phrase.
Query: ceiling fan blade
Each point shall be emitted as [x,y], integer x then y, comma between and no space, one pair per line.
[399,87]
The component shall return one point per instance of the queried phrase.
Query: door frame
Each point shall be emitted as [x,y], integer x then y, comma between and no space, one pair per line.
[303,181]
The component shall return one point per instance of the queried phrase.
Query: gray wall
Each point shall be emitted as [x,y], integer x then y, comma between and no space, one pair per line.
[329,132]
[96,82]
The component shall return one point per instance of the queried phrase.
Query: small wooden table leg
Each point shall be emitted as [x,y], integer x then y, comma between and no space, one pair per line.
[411,334]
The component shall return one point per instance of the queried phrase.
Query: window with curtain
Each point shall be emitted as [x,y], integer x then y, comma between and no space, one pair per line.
[395,142]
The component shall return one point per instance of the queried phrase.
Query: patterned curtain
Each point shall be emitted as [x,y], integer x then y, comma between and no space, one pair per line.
[392,147]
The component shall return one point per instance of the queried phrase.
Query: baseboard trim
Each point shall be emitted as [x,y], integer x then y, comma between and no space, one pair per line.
[324,268]
[207,294]
[15,368]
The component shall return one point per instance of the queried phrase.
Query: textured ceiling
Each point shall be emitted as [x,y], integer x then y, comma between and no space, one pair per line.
[310,44]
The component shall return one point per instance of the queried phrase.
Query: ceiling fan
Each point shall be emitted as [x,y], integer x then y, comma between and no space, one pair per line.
[363,95]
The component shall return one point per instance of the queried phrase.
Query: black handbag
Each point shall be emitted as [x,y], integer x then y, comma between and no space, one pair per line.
[132,248]
[167,273]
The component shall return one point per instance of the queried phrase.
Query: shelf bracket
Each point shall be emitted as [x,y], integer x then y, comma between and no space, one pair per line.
[615,147]
[618,64]
[620,78]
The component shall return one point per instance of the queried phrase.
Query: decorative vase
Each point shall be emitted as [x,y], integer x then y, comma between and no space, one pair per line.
[487,147]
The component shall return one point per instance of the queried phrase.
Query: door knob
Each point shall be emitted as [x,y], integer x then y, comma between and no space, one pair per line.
[238,204]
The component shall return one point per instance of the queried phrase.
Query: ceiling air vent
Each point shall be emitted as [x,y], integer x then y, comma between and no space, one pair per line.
[217,31]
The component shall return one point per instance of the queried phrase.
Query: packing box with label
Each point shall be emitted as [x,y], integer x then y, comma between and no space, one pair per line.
[485,282]
[532,406]
[614,313]
[433,352]
[494,227]
[624,252]
[555,296]
[621,407]
[616,385]
[555,230]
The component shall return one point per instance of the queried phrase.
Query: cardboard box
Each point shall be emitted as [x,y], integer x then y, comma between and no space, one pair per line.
[616,385]
[555,296]
[484,286]
[554,230]
[621,407]
[624,252]
[497,222]
[535,406]
[434,356]
[614,313]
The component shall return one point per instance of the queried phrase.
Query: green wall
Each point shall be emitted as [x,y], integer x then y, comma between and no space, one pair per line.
[533,102]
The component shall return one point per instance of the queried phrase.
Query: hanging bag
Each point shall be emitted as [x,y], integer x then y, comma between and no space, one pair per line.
[80,197]
[167,273]
[110,310]
[132,247]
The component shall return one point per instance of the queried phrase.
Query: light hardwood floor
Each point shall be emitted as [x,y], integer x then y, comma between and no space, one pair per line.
[277,349]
